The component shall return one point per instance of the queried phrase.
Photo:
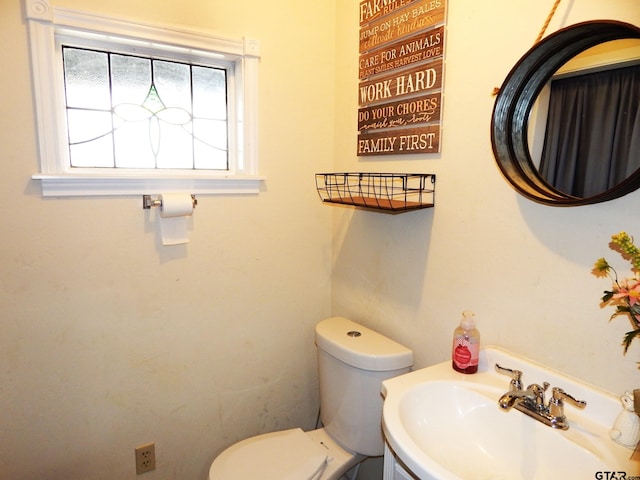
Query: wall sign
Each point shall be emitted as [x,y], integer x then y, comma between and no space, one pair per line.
[400,72]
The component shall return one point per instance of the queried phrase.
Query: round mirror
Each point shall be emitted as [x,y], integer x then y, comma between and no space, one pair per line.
[513,121]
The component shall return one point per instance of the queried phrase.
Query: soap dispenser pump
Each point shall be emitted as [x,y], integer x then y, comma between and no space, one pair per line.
[466,345]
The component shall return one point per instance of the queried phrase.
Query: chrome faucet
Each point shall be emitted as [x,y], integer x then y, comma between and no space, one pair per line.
[533,396]
[531,401]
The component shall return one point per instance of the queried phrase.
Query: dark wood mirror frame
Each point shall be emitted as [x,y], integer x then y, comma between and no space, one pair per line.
[517,96]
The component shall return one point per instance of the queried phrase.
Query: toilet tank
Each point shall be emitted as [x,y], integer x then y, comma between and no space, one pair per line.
[353,360]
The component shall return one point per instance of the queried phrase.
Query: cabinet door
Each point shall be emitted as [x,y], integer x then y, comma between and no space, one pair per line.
[393,469]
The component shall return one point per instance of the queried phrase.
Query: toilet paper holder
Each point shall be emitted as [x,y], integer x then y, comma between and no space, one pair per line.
[148,202]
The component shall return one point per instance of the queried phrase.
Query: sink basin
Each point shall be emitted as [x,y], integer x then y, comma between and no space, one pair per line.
[445,425]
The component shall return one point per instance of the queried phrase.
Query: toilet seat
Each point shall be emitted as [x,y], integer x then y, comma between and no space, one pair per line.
[286,455]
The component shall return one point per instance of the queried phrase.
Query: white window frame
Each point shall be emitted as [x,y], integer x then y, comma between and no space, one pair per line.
[48,25]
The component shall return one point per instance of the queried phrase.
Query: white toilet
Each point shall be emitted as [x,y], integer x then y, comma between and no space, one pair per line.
[352,363]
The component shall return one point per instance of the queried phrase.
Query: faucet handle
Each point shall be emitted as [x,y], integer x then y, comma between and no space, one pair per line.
[516,376]
[559,395]
[556,407]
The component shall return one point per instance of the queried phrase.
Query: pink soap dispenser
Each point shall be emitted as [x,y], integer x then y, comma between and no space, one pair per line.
[466,345]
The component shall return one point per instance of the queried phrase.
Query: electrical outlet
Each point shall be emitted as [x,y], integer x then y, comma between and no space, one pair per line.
[145,458]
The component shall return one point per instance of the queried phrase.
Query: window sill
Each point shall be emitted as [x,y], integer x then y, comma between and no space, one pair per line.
[63,185]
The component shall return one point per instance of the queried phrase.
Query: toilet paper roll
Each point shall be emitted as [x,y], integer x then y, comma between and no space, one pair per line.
[176,205]
[174,215]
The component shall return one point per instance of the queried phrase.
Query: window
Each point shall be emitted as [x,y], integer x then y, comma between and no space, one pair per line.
[125,111]
[126,108]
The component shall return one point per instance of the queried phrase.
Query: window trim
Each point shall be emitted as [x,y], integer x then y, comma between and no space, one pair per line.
[46,24]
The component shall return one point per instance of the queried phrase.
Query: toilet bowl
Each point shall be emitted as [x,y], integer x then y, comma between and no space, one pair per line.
[353,360]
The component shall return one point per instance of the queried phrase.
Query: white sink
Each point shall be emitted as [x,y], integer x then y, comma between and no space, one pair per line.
[446,425]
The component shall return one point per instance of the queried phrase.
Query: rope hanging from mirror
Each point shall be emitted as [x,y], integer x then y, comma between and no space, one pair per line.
[540,35]
[546,24]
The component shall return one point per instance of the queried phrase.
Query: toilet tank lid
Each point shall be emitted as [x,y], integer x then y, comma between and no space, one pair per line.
[361,347]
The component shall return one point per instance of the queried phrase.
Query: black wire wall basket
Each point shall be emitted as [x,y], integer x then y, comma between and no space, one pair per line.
[385,192]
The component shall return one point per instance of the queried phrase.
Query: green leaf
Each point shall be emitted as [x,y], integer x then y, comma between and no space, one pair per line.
[620,310]
[607,296]
[628,338]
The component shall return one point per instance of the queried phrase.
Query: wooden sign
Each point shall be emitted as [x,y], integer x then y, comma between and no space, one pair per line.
[420,79]
[401,76]
[412,18]
[423,109]
[400,141]
[371,10]
[424,46]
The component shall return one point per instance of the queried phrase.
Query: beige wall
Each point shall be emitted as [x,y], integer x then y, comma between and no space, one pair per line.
[110,341]
[523,268]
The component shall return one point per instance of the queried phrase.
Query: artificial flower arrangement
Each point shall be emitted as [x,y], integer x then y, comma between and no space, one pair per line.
[625,293]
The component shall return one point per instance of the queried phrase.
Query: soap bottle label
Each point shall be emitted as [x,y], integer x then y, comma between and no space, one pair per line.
[465,355]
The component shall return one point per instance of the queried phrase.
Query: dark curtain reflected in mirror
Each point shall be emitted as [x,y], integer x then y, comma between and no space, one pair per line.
[592,140]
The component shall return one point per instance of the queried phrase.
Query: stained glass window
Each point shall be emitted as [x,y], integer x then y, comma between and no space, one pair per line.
[125,108]
[128,111]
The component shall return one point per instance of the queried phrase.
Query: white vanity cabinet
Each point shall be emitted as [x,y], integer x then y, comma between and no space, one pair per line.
[394,469]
